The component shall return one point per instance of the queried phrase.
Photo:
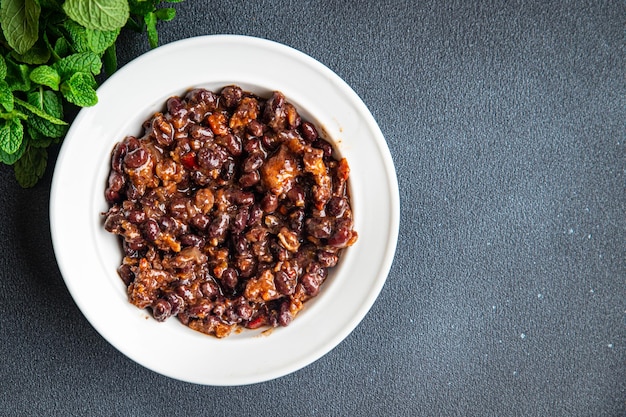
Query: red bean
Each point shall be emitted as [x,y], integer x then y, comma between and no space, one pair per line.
[249,179]
[210,158]
[256,214]
[256,128]
[119,152]
[229,278]
[309,132]
[285,284]
[136,158]
[327,259]
[209,289]
[244,311]
[231,142]
[219,226]
[253,162]
[243,198]
[319,227]
[231,96]
[200,221]
[161,310]
[252,145]
[200,132]
[341,237]
[336,206]
[175,106]
[284,314]
[202,96]
[176,303]
[241,220]
[125,272]
[240,244]
[228,170]
[325,146]
[116,184]
[136,216]
[191,239]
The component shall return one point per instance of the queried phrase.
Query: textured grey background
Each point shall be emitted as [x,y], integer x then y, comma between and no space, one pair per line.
[507,296]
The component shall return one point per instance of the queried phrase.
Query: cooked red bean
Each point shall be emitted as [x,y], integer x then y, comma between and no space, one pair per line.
[231,95]
[119,152]
[229,278]
[241,220]
[116,184]
[249,179]
[175,107]
[219,226]
[210,158]
[231,142]
[200,221]
[255,128]
[336,206]
[309,132]
[191,239]
[228,212]
[136,158]
[253,162]
[161,310]
[126,273]
[325,146]
[200,132]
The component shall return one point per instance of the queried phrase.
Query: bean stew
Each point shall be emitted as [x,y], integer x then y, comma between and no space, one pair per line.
[230,209]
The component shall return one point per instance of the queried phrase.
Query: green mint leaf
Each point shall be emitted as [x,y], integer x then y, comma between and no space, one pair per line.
[44,142]
[11,135]
[62,47]
[38,112]
[173,1]
[100,40]
[52,4]
[17,76]
[46,75]
[3,68]
[32,133]
[6,96]
[20,23]
[134,26]
[98,14]
[37,139]
[153,36]
[142,7]
[77,36]
[29,169]
[109,59]
[36,55]
[10,159]
[50,103]
[80,62]
[79,90]
[166,14]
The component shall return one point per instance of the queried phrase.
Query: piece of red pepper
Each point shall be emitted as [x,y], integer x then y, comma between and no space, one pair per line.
[189,160]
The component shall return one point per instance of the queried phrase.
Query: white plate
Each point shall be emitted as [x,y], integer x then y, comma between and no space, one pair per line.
[88,256]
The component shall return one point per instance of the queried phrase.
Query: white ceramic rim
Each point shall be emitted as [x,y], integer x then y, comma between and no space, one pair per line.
[87,255]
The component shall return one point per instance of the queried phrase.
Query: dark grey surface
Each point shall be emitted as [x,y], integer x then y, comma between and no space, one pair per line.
[507,296]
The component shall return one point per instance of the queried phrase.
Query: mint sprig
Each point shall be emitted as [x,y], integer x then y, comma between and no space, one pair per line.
[51,52]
